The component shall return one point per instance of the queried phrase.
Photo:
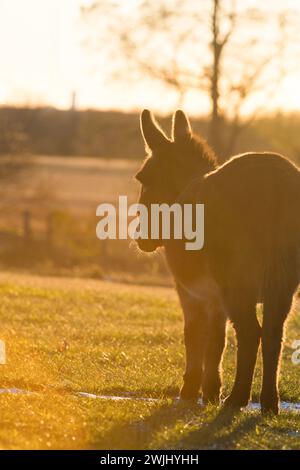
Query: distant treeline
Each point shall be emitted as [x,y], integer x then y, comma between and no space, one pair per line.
[112,134]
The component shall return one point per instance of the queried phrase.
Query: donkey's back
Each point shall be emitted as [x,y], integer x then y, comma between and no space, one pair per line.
[253,220]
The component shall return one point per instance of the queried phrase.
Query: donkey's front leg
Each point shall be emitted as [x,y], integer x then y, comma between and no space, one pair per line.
[212,374]
[195,336]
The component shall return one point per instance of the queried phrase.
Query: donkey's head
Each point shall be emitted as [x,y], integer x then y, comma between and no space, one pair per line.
[170,165]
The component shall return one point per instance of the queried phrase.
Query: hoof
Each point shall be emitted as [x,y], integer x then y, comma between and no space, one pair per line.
[188,404]
[189,393]
[269,403]
[211,399]
[270,408]
[234,403]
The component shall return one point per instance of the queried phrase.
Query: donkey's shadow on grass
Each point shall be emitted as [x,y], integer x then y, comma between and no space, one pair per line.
[210,429]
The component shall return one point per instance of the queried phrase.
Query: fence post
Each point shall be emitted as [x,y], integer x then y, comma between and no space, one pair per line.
[27,233]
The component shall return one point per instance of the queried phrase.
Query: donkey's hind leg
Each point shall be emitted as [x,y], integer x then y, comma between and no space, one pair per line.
[276,309]
[248,332]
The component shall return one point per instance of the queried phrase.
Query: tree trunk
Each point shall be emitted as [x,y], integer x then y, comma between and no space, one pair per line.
[215,126]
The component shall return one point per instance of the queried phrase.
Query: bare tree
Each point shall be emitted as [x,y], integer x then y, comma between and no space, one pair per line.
[230,54]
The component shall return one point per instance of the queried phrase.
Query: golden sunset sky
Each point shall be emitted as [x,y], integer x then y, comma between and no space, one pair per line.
[44,58]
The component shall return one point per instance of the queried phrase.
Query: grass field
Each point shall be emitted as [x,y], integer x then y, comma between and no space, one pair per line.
[76,184]
[65,336]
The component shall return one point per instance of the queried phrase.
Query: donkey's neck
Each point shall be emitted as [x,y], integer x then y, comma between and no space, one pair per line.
[185,265]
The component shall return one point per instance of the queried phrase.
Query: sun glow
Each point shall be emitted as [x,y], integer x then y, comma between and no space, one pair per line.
[45,59]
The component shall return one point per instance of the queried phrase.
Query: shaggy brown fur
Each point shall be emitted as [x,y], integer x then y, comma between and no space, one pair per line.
[251,254]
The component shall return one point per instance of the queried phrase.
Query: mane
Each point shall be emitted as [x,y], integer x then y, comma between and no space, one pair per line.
[198,146]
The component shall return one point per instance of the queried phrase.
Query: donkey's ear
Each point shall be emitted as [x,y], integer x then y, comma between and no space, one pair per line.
[181,126]
[153,135]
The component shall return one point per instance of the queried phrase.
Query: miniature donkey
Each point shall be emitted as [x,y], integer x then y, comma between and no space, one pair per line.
[251,255]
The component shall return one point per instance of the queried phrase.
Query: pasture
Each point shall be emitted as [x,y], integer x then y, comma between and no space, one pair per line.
[79,184]
[65,336]
[61,196]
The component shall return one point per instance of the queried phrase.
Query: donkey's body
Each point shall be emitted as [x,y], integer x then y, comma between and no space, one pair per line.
[251,255]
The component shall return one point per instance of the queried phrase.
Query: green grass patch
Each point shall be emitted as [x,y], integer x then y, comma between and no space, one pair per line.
[67,336]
